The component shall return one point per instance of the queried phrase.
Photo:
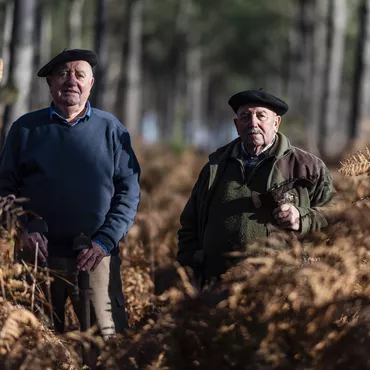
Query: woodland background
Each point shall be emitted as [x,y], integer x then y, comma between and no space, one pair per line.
[168,67]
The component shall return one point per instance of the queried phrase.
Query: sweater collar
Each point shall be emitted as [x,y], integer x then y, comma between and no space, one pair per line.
[53,114]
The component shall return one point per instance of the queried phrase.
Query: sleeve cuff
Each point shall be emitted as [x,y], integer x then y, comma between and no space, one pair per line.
[305,219]
[102,245]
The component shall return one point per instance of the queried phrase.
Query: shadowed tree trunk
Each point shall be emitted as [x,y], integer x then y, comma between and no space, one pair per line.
[302,66]
[308,22]
[7,36]
[101,48]
[5,55]
[42,49]
[317,75]
[119,84]
[171,100]
[21,58]
[133,94]
[359,112]
[334,65]
[300,40]
[195,92]
[75,23]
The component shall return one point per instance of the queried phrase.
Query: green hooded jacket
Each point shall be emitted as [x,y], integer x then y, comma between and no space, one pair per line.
[226,198]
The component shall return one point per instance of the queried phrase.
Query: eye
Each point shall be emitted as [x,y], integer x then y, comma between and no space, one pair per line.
[245,116]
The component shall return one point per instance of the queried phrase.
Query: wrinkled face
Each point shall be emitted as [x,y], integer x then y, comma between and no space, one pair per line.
[256,126]
[71,83]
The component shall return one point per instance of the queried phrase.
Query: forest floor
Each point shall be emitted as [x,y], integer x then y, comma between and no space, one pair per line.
[294,302]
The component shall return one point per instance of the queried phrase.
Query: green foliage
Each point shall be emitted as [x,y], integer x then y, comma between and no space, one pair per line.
[239,34]
[245,34]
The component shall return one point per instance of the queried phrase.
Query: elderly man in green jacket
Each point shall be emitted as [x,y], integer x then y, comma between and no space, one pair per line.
[256,181]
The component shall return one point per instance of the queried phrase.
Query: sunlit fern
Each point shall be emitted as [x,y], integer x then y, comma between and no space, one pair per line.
[356,164]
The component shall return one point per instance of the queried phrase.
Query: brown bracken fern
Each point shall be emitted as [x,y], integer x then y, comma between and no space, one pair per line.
[356,164]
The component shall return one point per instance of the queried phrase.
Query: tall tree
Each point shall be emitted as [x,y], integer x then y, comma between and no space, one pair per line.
[7,36]
[314,95]
[6,95]
[75,15]
[166,63]
[101,48]
[21,59]
[134,68]
[334,67]
[42,52]
[195,79]
[359,111]
[301,42]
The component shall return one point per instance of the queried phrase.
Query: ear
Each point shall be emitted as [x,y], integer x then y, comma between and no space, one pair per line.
[92,82]
[48,80]
[277,123]
[236,121]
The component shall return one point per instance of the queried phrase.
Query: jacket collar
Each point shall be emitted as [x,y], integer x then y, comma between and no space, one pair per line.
[233,149]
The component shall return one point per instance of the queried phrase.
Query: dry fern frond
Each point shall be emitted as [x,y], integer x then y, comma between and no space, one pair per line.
[356,164]
[14,327]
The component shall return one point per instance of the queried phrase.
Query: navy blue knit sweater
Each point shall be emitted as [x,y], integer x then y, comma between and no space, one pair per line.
[80,179]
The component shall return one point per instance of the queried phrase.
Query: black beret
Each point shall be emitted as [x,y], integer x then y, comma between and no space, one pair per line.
[259,97]
[68,56]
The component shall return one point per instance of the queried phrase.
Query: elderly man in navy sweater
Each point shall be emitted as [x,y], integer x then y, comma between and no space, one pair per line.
[76,166]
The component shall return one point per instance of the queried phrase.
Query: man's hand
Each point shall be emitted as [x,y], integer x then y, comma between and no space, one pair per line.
[89,259]
[30,241]
[287,217]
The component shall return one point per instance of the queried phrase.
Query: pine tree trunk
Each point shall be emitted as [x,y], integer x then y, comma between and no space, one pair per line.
[336,40]
[359,116]
[101,48]
[120,55]
[134,70]
[299,47]
[75,24]
[7,37]
[5,55]
[21,58]
[170,102]
[195,93]
[42,49]
[317,75]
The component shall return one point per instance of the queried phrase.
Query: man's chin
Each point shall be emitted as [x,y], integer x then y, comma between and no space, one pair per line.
[254,141]
[253,147]
[70,102]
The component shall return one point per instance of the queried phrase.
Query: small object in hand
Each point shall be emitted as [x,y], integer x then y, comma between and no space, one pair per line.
[81,242]
[287,199]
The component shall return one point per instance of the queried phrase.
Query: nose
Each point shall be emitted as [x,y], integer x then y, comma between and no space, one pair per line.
[253,120]
[71,80]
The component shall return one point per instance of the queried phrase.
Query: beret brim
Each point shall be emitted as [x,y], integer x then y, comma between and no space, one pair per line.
[68,56]
[258,97]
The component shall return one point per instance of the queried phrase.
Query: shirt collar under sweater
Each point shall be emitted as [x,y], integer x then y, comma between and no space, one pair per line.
[87,115]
